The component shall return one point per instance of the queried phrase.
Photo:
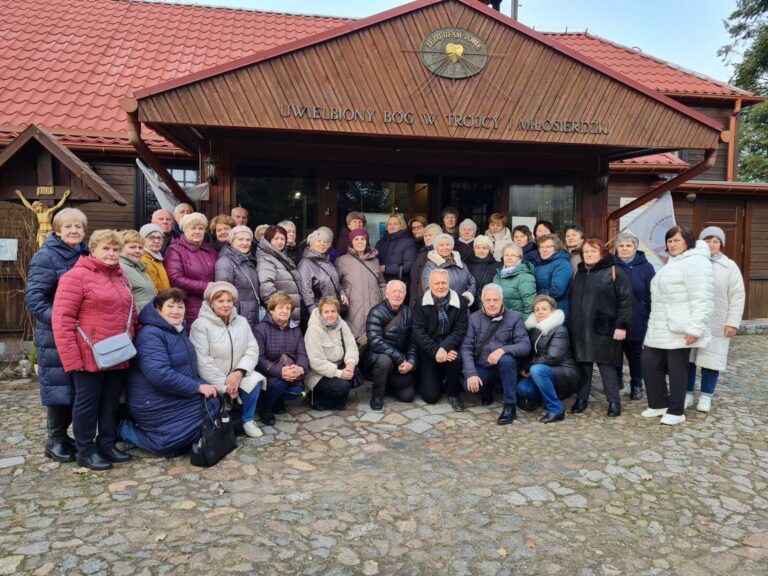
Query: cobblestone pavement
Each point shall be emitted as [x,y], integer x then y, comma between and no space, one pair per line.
[413,490]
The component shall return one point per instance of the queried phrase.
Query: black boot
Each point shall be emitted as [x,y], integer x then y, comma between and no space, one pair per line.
[94,462]
[117,456]
[636,393]
[614,409]
[59,447]
[508,415]
[550,417]
[579,406]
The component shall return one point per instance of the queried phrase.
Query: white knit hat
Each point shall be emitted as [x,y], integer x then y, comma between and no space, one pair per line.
[214,287]
[713,231]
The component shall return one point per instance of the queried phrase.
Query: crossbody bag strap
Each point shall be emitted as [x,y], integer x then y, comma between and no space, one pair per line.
[127,327]
[391,323]
[494,327]
[256,293]
[336,288]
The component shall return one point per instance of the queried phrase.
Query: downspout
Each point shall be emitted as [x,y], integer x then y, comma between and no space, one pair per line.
[733,129]
[130,106]
[709,160]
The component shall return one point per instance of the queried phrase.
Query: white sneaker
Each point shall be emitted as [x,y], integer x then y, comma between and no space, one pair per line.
[688,400]
[653,412]
[252,429]
[672,419]
[705,404]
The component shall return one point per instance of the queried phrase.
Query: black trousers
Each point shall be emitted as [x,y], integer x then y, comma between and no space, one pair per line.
[331,393]
[432,376]
[96,407]
[633,350]
[609,376]
[58,421]
[386,378]
[657,364]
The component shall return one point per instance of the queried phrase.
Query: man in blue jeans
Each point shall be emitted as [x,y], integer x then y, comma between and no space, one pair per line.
[496,338]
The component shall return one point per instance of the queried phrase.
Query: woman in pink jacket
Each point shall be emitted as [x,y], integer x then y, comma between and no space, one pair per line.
[94,297]
[191,263]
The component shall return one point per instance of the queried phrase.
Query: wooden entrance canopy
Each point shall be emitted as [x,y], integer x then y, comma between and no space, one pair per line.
[432,69]
[40,167]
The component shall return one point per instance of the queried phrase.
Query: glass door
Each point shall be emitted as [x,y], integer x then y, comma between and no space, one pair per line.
[377,199]
[531,202]
[474,198]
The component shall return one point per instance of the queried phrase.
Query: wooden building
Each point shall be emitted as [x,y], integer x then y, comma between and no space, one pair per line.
[435,103]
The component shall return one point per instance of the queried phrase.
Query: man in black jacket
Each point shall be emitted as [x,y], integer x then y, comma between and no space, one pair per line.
[390,358]
[439,325]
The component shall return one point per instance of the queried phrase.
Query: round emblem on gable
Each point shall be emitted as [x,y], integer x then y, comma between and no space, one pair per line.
[453,53]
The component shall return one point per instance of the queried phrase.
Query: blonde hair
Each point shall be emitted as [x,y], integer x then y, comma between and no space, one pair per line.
[498,217]
[131,237]
[332,300]
[194,219]
[220,219]
[400,218]
[279,298]
[67,215]
[545,298]
[555,239]
[104,237]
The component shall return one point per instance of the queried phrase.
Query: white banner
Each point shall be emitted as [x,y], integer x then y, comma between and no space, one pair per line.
[164,196]
[652,224]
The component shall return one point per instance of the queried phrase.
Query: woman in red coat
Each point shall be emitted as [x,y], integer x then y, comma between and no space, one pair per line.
[191,263]
[95,297]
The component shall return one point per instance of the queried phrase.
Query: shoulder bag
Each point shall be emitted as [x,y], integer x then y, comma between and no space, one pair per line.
[217,437]
[357,378]
[115,349]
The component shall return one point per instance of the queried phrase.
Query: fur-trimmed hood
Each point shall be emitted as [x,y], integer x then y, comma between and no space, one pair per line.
[428,300]
[557,318]
[434,257]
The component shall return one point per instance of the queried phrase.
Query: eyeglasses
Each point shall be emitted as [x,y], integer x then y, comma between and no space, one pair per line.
[155,238]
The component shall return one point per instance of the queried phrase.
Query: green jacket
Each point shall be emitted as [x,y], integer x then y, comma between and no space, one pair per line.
[141,284]
[519,289]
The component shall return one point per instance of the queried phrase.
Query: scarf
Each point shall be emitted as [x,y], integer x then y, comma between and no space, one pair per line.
[327,325]
[629,260]
[715,257]
[442,312]
[154,255]
[448,259]
[508,271]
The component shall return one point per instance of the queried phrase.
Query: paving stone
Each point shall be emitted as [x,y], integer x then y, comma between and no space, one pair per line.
[419,426]
[11,462]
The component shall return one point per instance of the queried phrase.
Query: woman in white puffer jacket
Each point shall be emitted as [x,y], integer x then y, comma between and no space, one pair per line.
[682,303]
[227,351]
[730,297]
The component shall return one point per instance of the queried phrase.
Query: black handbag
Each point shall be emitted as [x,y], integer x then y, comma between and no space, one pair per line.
[357,379]
[217,437]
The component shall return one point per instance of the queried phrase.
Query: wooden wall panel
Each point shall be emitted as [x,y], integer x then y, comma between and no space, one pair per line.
[757,302]
[718,172]
[106,214]
[758,240]
[378,69]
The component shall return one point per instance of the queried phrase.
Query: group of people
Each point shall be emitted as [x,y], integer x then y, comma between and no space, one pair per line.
[254,319]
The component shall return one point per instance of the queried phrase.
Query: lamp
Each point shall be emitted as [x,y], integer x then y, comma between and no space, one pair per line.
[210,171]
[601,183]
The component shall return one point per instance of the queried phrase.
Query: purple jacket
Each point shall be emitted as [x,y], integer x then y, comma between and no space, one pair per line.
[190,268]
[274,342]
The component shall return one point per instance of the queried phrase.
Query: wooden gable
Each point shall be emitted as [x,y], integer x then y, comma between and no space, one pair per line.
[369,79]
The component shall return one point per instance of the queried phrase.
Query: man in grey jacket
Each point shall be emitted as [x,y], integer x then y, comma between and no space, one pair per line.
[495,339]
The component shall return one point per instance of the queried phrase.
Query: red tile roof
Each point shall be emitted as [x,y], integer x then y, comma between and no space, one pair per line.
[65,63]
[655,73]
[665,162]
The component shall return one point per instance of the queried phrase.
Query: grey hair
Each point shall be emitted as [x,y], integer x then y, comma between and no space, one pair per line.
[515,247]
[287,224]
[69,215]
[470,223]
[628,236]
[180,206]
[392,283]
[320,233]
[440,271]
[433,229]
[193,219]
[492,286]
[443,236]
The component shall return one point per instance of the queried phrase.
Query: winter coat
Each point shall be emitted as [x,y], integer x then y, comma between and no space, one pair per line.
[342,244]
[600,304]
[240,270]
[397,253]
[291,251]
[460,279]
[326,351]
[223,348]
[531,254]
[510,336]
[415,291]
[363,283]
[729,308]
[274,341]
[575,259]
[278,272]
[682,301]
[98,299]
[161,391]
[553,277]
[465,250]
[551,346]
[396,342]
[318,278]
[519,288]
[640,272]
[47,266]
[500,240]
[426,328]
[483,270]
[156,272]
[141,284]
[190,268]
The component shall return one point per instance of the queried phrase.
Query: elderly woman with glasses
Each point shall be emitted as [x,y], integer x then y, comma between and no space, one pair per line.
[444,257]
[553,272]
[318,275]
[153,256]
[516,280]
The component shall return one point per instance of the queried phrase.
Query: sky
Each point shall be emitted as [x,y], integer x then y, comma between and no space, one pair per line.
[685,32]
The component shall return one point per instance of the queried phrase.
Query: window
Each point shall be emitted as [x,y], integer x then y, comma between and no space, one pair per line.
[531,202]
[146,203]
[377,199]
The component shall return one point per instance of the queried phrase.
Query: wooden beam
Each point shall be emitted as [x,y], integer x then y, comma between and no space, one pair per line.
[44,167]
[44,193]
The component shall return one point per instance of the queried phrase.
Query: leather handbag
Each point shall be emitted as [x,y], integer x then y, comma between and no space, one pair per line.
[217,437]
[115,349]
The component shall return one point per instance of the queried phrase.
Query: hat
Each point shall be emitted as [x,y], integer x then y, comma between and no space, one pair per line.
[359,232]
[356,216]
[147,229]
[239,230]
[484,240]
[220,286]
[713,231]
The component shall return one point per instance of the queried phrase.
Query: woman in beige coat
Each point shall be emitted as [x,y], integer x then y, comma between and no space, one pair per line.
[361,277]
[333,356]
